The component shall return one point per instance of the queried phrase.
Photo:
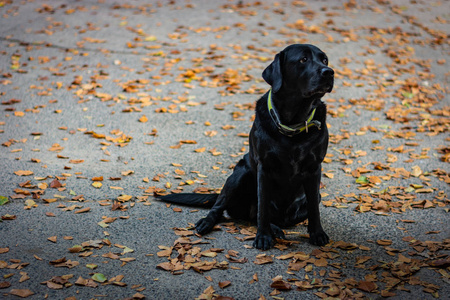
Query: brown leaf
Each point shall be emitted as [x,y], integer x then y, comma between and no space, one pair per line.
[55,184]
[345,246]
[68,264]
[333,291]
[440,263]
[166,266]
[9,217]
[322,262]
[384,242]
[138,296]
[86,282]
[54,286]
[281,285]
[224,284]
[362,259]
[110,255]
[23,293]
[263,259]
[367,286]
[52,239]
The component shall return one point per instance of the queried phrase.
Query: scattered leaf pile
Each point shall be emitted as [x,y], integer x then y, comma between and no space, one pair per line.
[311,271]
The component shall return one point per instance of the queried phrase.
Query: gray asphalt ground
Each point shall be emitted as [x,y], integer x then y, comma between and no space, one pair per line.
[156,96]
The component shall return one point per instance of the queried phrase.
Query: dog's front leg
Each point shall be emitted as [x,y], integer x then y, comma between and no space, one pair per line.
[263,239]
[317,235]
[206,224]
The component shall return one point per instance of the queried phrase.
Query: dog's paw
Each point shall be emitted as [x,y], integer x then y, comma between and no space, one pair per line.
[263,241]
[205,225]
[277,232]
[319,238]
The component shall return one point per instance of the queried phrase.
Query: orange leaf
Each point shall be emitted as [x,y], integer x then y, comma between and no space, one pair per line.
[83,210]
[143,119]
[23,173]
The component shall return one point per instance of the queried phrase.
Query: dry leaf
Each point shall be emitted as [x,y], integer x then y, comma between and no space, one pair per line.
[83,210]
[23,173]
[23,293]
[143,119]
[224,284]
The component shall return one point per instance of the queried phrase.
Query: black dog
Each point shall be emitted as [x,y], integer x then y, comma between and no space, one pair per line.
[277,182]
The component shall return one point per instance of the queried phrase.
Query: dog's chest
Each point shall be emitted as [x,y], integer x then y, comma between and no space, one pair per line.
[299,161]
[293,162]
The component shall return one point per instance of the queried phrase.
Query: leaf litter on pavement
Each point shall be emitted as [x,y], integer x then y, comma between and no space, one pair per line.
[403,99]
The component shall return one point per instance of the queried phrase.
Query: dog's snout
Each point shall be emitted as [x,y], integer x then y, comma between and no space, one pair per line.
[327,72]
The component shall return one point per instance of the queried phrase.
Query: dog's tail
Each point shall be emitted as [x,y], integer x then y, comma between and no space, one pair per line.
[191,199]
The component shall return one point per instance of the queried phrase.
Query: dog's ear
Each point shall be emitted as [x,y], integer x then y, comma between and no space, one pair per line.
[272,74]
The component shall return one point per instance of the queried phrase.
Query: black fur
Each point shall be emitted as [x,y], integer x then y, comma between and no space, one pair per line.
[277,182]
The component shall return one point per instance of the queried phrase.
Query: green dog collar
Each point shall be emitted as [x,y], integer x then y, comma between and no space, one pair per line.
[294,129]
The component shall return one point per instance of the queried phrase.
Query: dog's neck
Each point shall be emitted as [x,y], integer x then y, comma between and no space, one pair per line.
[293,108]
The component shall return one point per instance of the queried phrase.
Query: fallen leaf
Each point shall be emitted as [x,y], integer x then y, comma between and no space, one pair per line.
[23,293]
[99,277]
[263,259]
[97,184]
[83,210]
[281,285]
[384,242]
[55,184]
[367,286]
[224,284]
[3,200]
[23,173]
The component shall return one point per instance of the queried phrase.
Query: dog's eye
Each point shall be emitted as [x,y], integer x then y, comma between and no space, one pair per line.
[303,60]
[325,61]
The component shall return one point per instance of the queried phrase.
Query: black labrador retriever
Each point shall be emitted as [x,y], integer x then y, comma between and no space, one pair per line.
[277,182]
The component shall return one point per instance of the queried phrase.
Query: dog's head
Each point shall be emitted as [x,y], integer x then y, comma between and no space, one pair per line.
[302,69]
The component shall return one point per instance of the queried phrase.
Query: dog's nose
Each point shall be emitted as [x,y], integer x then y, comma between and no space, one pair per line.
[327,72]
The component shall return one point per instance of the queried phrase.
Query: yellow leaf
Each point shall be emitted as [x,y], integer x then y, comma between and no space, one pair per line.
[199,150]
[30,203]
[97,184]
[124,198]
[416,171]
